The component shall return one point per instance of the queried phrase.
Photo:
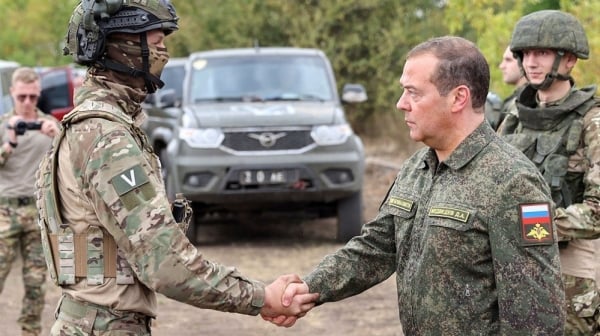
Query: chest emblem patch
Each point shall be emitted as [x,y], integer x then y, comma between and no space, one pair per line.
[536,224]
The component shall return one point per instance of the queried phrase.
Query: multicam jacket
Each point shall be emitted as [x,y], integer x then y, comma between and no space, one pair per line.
[455,232]
[109,181]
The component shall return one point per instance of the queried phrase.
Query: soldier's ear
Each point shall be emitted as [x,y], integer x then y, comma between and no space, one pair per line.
[570,61]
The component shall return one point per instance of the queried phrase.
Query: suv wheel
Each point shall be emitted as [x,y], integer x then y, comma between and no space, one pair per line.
[350,219]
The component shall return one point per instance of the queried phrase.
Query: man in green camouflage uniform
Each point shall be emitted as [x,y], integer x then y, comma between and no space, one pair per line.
[466,225]
[110,238]
[511,75]
[558,128]
[20,155]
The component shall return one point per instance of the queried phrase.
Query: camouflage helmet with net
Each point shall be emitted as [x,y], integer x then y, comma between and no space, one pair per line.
[550,29]
[93,21]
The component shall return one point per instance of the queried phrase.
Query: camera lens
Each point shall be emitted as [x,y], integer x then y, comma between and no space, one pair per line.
[20,127]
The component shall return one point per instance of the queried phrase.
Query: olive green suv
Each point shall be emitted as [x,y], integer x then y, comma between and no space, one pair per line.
[263,130]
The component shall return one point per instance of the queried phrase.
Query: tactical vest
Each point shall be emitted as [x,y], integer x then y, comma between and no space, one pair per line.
[549,136]
[92,255]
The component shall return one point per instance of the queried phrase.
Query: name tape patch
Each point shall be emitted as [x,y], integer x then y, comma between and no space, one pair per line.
[451,213]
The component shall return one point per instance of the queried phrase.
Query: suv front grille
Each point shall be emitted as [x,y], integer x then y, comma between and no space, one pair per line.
[268,140]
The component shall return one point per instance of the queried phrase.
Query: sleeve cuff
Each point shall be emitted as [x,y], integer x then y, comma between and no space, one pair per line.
[258,298]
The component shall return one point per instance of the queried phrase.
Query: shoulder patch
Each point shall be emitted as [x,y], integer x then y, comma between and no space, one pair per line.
[129,179]
[536,224]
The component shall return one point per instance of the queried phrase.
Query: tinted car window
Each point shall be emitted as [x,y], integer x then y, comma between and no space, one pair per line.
[172,76]
[265,78]
[55,91]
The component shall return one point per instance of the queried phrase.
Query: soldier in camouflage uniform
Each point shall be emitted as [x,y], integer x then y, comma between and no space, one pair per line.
[511,75]
[110,238]
[20,155]
[466,225]
[558,128]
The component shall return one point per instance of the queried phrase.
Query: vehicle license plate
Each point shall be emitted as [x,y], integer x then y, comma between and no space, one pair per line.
[268,176]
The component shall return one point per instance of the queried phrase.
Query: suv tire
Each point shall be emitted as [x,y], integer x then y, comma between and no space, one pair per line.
[350,217]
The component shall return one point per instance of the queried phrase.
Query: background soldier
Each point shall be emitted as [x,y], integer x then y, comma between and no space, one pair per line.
[110,238]
[20,154]
[558,128]
[511,75]
[466,226]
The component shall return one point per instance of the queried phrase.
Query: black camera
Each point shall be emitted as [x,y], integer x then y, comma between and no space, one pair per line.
[22,126]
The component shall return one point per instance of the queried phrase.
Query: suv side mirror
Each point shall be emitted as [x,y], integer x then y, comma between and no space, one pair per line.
[354,93]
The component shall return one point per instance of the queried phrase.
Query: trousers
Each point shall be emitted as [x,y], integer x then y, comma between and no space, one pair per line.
[76,318]
[19,233]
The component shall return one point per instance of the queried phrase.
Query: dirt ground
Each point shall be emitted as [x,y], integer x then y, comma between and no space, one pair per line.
[264,251]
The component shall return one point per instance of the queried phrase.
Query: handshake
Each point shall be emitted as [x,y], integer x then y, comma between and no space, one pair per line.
[286,300]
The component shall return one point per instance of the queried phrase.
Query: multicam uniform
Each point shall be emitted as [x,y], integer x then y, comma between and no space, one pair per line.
[466,261]
[18,218]
[563,139]
[110,189]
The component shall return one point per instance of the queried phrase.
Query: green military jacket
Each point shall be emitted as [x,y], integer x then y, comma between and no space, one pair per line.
[466,262]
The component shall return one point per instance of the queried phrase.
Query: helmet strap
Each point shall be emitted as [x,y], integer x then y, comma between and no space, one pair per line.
[152,82]
[553,75]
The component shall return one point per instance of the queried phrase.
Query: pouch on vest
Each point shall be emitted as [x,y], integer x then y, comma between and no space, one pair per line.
[554,170]
[574,136]
[546,144]
[524,142]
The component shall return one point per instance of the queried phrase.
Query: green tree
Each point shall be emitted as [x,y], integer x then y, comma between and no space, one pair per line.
[366,40]
[32,31]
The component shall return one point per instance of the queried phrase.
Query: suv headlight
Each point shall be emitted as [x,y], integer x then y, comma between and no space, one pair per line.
[202,138]
[331,135]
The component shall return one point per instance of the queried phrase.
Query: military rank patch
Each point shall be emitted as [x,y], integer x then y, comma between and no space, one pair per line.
[130,179]
[536,224]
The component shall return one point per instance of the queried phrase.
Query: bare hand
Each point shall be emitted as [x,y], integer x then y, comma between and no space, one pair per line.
[297,306]
[49,128]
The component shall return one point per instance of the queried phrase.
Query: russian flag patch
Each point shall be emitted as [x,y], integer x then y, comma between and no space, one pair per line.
[536,224]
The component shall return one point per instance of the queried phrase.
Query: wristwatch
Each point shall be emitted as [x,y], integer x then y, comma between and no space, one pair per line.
[12,144]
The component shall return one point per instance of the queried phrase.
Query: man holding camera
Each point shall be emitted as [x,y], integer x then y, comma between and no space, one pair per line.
[25,133]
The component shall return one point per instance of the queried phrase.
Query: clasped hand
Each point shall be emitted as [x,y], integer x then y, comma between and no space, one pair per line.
[286,300]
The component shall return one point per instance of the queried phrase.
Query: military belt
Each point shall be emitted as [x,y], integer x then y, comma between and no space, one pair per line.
[92,317]
[17,201]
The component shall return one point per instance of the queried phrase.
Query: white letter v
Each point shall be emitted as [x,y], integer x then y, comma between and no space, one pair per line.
[130,180]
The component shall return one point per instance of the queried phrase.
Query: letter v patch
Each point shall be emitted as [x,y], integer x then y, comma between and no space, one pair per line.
[129,179]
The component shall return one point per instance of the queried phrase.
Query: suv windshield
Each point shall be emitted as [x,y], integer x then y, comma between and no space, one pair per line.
[173,76]
[260,78]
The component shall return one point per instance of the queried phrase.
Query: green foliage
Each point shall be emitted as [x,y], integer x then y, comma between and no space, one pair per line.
[32,31]
[366,40]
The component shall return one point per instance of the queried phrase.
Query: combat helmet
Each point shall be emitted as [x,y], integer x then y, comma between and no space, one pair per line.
[93,21]
[550,29]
